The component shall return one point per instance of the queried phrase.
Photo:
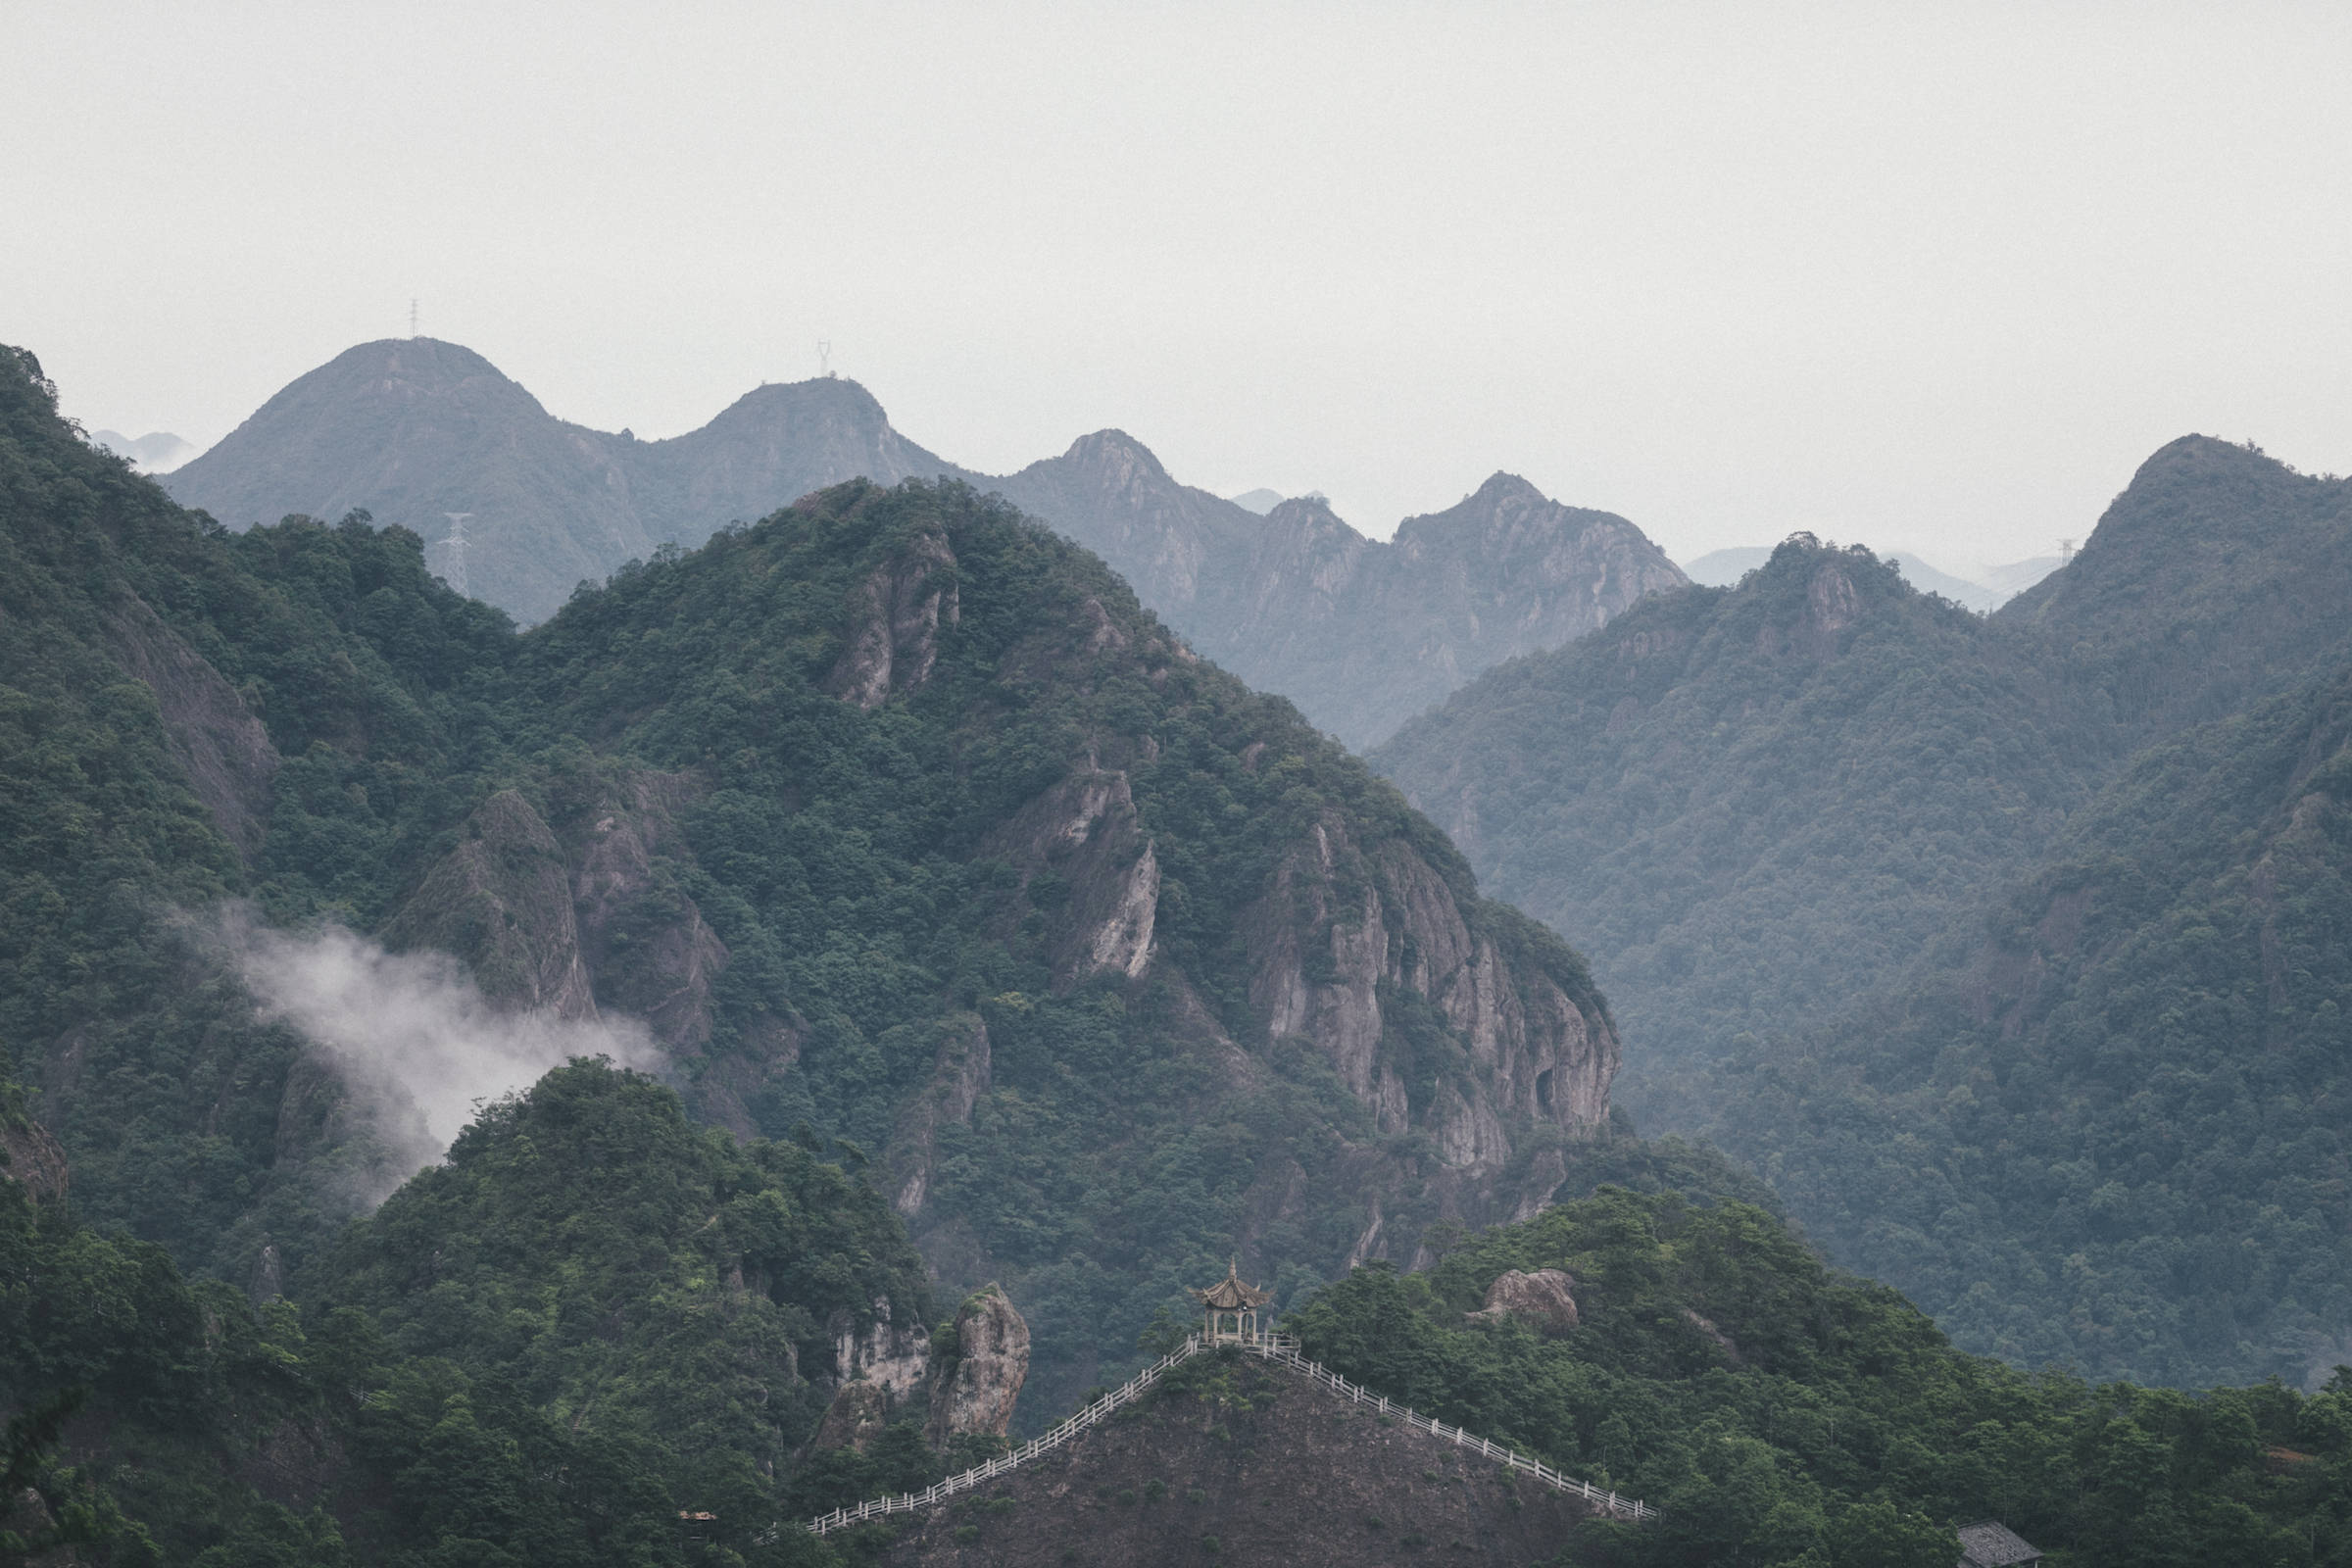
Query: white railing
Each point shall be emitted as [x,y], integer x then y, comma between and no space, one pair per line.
[1277,1347]
[1628,1507]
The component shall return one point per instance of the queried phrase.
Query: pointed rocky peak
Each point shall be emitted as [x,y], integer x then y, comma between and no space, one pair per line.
[1503,489]
[1115,457]
[1311,514]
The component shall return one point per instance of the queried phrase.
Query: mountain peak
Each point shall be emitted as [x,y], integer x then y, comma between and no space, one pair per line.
[1116,452]
[1503,486]
[820,398]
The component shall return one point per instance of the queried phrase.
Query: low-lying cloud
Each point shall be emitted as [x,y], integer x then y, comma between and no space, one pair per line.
[411,1035]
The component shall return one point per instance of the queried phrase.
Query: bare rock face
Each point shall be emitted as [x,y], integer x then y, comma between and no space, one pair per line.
[644,941]
[962,1071]
[893,637]
[213,736]
[1344,934]
[29,1156]
[1083,834]
[1539,1300]
[501,902]
[895,1358]
[977,1392]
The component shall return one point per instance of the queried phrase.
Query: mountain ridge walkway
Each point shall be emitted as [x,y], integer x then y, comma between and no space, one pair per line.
[1281,1351]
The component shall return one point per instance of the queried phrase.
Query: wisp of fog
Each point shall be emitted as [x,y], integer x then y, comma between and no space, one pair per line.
[412,1036]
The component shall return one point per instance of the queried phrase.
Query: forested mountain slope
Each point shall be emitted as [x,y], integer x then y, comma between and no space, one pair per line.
[895,817]
[1749,802]
[2108,1124]
[1761,807]
[187,715]
[1360,634]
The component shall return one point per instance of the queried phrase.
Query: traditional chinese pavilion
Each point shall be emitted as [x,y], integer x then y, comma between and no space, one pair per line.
[1231,1307]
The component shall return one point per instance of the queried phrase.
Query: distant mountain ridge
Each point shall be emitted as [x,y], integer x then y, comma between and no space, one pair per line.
[1361,633]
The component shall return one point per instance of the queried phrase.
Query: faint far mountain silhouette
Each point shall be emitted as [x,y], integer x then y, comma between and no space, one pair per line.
[521,506]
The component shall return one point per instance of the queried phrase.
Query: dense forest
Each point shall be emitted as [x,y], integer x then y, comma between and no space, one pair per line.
[2005,949]
[2107,1124]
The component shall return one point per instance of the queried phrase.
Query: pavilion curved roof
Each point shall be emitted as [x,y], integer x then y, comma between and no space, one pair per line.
[1230,1294]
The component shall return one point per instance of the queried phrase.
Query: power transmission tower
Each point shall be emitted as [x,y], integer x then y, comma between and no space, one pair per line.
[2066,552]
[455,545]
[824,357]
[412,326]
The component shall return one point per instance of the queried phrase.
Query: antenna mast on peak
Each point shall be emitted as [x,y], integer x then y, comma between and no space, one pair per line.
[413,323]
[824,357]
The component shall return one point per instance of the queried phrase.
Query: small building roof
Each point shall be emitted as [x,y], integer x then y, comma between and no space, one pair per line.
[1230,1294]
[1994,1544]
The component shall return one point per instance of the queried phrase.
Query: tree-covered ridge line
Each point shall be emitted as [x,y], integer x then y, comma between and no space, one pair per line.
[1781,1413]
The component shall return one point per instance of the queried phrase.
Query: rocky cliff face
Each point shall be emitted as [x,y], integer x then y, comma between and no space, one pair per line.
[501,902]
[973,1396]
[886,1371]
[1343,937]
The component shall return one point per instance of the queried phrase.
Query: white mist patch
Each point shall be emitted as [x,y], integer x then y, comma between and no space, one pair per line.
[410,1034]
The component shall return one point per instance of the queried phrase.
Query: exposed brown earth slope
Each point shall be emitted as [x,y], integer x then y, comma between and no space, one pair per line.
[1245,1463]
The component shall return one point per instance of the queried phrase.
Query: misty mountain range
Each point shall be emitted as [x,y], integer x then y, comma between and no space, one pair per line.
[1361,633]
[989,943]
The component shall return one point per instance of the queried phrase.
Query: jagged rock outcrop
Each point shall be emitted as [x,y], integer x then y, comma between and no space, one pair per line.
[1540,1299]
[892,634]
[501,902]
[213,736]
[878,1369]
[859,1412]
[974,1393]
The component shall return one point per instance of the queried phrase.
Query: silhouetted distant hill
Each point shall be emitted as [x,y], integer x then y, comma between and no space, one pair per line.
[1360,634]
[157,452]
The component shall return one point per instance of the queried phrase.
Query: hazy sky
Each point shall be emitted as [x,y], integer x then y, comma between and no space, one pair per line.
[1930,276]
